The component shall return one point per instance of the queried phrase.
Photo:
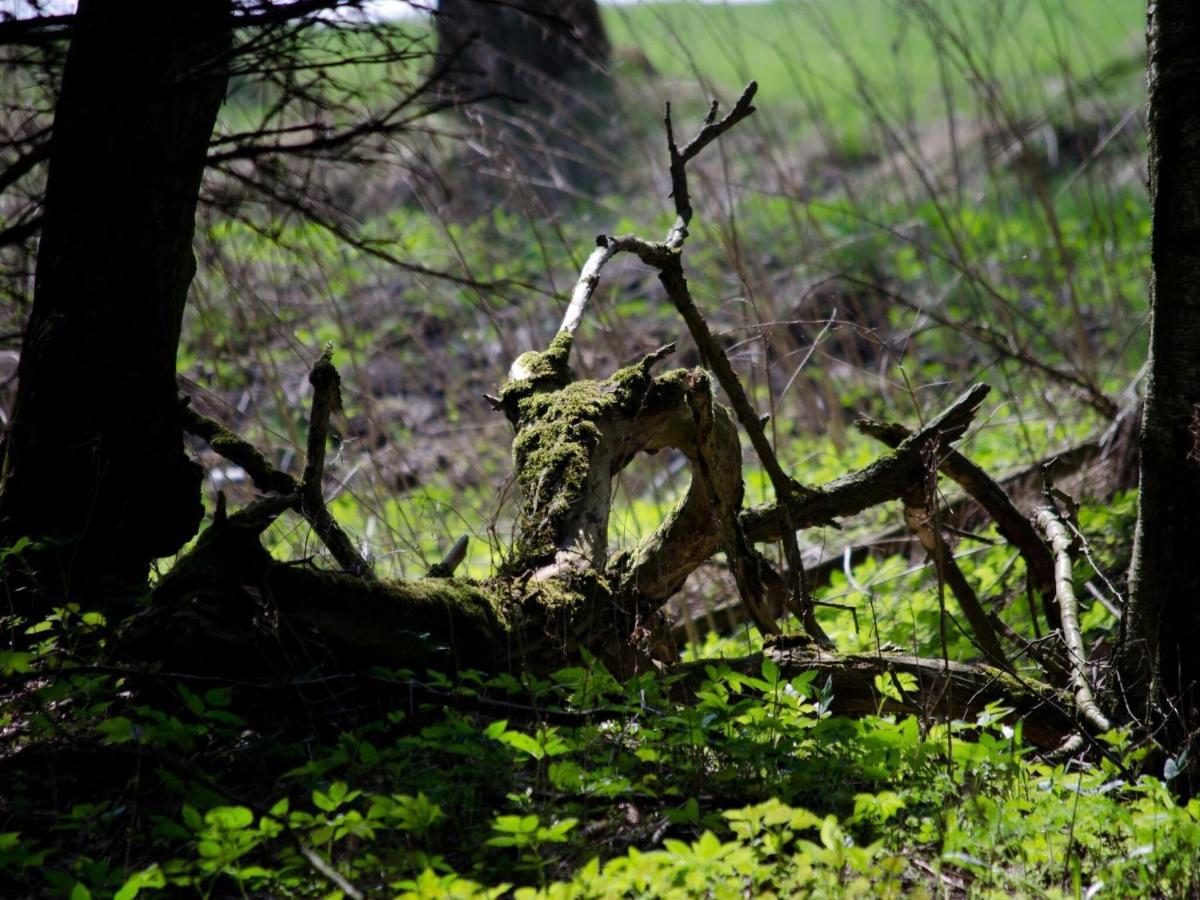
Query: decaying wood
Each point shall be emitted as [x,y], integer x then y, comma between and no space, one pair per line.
[305,495]
[327,399]
[263,475]
[1099,452]
[228,602]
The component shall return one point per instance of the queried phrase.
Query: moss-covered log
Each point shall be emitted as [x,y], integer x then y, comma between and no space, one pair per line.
[229,605]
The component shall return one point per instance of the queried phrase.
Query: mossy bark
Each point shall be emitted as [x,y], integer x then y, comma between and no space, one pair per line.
[558,592]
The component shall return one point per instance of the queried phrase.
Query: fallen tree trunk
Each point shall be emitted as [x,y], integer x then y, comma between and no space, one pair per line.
[229,606]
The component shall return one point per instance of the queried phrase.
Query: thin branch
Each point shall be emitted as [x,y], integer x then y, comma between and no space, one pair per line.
[21,231]
[26,162]
[944,691]
[373,248]
[885,479]
[35,30]
[918,517]
[667,258]
[743,559]
[712,130]
[589,278]
[265,476]
[1000,343]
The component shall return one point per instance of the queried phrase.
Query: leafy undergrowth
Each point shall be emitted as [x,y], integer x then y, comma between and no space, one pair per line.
[123,783]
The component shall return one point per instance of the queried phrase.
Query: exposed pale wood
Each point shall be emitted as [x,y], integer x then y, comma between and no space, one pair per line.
[1060,542]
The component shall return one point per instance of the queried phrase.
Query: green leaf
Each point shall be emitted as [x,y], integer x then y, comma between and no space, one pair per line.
[770,671]
[118,730]
[515,824]
[229,818]
[524,743]
[557,833]
[191,818]
[147,878]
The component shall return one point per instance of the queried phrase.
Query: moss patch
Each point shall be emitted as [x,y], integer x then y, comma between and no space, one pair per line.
[559,426]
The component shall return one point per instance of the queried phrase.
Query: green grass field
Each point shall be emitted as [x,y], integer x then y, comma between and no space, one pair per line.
[813,54]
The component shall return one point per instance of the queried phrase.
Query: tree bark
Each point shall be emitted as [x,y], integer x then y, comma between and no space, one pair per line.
[534,73]
[94,463]
[1160,666]
[514,50]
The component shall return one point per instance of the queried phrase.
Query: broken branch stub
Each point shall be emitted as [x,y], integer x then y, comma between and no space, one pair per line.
[306,495]
[327,399]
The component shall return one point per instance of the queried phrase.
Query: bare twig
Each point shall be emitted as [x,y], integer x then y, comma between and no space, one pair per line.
[670,266]
[712,130]
[305,495]
[666,257]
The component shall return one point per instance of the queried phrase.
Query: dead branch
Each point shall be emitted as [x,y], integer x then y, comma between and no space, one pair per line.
[945,690]
[1014,527]
[305,495]
[452,560]
[712,130]
[1056,533]
[885,479]
[919,517]
[667,258]
[589,278]
[327,399]
[744,560]
[265,476]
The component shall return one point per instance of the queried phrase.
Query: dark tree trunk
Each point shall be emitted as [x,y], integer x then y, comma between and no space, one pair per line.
[1161,652]
[534,73]
[94,461]
[514,50]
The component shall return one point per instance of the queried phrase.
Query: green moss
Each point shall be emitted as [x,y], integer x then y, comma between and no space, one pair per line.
[559,428]
[459,596]
[534,371]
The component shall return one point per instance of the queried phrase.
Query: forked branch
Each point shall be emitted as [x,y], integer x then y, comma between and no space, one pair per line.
[304,496]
